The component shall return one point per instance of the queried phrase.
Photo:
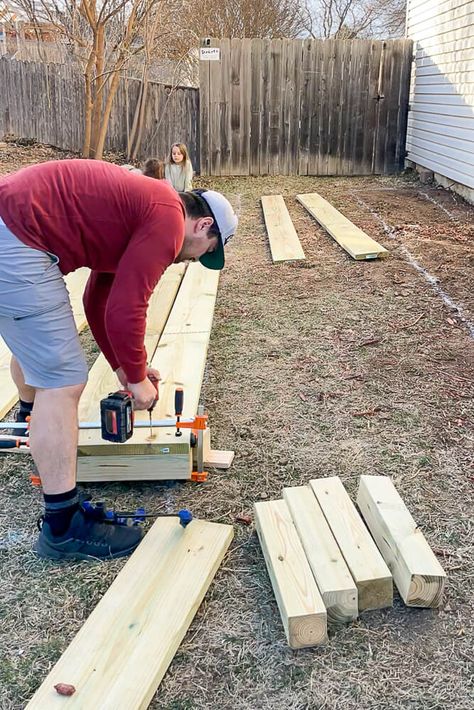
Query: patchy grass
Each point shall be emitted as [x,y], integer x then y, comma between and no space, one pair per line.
[316,368]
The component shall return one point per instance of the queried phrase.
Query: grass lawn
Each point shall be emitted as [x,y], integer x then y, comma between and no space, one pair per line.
[316,368]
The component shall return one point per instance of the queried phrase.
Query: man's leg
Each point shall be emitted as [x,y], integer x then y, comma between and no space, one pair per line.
[37,324]
[53,437]
[26,395]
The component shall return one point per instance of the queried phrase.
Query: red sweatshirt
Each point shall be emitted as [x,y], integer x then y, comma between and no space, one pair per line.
[126,227]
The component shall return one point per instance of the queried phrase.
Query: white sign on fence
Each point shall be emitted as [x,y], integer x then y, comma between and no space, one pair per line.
[209,54]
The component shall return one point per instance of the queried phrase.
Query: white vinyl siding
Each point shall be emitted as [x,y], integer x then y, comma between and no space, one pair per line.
[440,133]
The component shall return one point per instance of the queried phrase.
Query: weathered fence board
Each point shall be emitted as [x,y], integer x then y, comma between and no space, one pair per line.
[45,102]
[310,107]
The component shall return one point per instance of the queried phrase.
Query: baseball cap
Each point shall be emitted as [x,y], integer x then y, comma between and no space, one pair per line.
[226,221]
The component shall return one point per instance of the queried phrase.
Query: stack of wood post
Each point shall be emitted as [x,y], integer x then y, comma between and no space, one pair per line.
[326,567]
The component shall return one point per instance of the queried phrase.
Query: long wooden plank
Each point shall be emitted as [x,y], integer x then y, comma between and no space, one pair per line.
[120,655]
[419,577]
[284,242]
[180,357]
[330,570]
[301,607]
[356,242]
[75,283]
[370,573]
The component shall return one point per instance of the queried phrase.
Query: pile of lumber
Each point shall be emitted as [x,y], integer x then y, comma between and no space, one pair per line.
[325,565]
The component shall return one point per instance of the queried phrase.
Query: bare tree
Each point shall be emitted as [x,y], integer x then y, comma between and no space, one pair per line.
[104,36]
[348,19]
[245,18]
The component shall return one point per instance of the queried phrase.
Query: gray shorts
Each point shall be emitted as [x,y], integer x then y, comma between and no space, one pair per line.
[36,319]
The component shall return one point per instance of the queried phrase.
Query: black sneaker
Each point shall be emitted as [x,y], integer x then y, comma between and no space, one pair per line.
[88,539]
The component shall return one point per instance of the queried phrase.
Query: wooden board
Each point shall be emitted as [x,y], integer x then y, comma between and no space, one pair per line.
[419,577]
[180,357]
[284,242]
[122,652]
[329,568]
[75,283]
[301,607]
[356,242]
[370,573]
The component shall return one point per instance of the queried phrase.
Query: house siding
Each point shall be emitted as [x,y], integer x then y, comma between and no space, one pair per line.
[440,133]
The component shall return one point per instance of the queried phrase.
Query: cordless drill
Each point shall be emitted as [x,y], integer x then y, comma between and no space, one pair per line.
[116,414]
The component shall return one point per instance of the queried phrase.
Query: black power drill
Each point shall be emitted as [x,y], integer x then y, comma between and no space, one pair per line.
[116,416]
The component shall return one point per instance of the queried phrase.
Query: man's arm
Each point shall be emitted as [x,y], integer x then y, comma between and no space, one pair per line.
[150,251]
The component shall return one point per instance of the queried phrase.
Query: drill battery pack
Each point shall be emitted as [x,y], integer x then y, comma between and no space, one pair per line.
[116,417]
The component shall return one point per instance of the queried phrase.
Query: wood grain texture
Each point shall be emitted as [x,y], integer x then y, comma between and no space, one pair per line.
[327,563]
[368,569]
[282,236]
[75,283]
[120,655]
[356,242]
[301,607]
[419,577]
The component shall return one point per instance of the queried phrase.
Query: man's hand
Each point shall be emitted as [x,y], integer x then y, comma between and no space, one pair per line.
[152,371]
[144,393]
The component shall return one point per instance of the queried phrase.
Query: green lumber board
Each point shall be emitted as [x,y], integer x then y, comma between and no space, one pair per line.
[419,577]
[356,242]
[330,570]
[301,607]
[120,655]
[368,569]
[284,242]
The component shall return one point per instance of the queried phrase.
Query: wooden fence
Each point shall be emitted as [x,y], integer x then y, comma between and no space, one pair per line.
[305,107]
[45,102]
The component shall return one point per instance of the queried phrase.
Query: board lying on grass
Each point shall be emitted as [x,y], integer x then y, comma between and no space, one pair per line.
[284,242]
[330,571]
[356,242]
[417,573]
[370,573]
[120,655]
[301,607]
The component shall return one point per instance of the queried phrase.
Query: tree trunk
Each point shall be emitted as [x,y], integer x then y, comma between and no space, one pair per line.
[99,148]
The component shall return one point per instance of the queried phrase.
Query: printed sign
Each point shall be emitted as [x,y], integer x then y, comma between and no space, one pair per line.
[209,54]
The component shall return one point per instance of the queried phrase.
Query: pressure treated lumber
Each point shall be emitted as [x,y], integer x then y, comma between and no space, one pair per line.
[122,652]
[419,577]
[369,571]
[180,357]
[301,607]
[356,242]
[75,283]
[282,236]
[329,568]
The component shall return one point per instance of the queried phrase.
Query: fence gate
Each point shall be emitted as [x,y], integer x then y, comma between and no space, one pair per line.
[304,107]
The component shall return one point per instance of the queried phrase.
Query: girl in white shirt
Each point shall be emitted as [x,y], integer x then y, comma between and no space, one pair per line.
[179,170]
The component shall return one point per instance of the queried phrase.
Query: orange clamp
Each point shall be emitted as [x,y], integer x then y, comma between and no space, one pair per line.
[199,423]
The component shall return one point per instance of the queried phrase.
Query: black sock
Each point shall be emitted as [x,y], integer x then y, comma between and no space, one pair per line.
[24,411]
[59,509]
